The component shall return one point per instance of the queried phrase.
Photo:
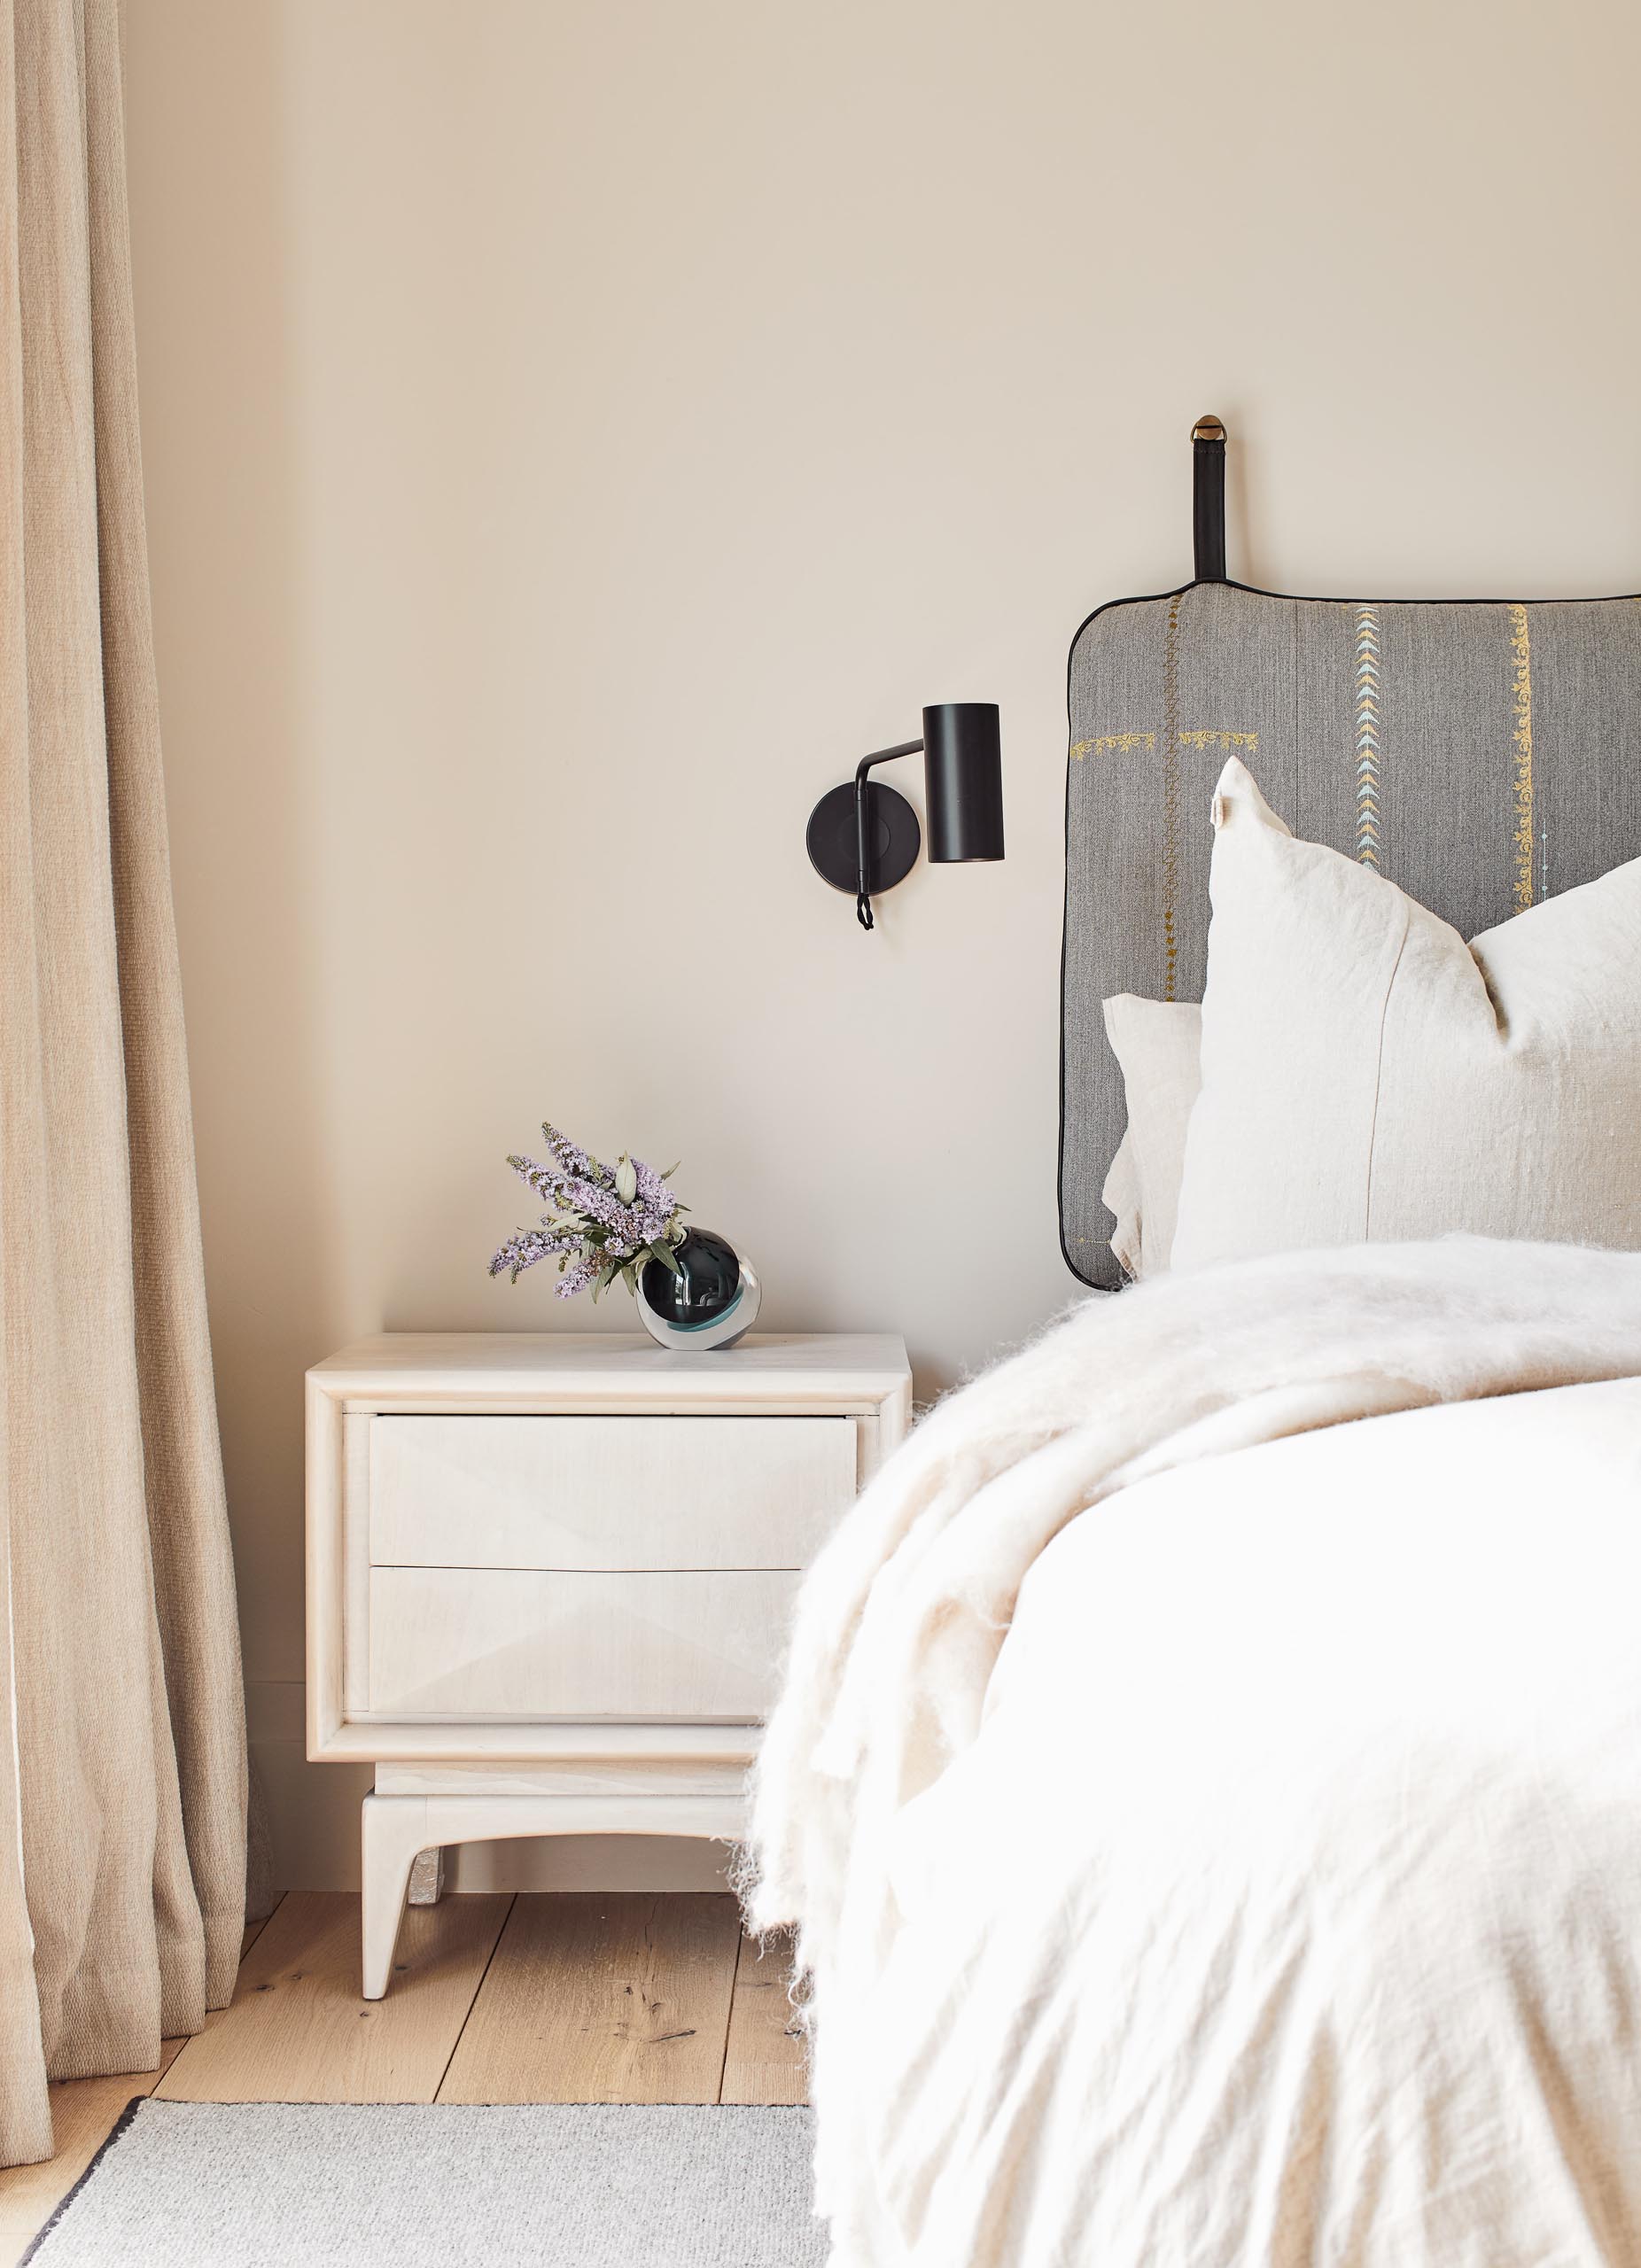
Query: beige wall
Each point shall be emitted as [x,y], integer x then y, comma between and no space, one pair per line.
[576,432]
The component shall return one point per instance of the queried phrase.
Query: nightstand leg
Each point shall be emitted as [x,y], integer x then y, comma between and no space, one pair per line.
[393,1829]
[427,1877]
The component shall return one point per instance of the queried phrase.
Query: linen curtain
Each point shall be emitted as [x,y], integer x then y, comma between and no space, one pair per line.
[122,1771]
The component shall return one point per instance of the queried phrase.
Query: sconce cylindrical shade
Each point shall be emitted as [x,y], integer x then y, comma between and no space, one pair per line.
[963,772]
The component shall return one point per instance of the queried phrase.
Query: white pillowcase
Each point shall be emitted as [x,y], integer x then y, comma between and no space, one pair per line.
[1368,1075]
[1158,1047]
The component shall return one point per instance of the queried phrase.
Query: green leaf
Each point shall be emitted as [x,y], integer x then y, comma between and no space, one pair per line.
[629,1277]
[663,1254]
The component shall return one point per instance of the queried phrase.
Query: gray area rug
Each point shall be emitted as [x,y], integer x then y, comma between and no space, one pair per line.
[286,2184]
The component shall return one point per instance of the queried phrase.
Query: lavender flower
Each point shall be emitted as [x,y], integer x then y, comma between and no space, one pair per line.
[578,1278]
[529,1246]
[571,1160]
[604,1223]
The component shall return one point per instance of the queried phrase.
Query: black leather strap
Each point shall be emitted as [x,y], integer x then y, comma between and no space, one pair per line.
[1208,513]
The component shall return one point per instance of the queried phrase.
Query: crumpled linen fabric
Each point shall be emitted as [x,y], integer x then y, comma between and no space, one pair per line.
[902,1620]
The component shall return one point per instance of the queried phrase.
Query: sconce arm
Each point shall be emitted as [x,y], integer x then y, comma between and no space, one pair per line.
[863,900]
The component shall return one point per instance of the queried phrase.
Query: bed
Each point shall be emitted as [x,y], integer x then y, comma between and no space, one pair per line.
[1206,1784]
[1303,1926]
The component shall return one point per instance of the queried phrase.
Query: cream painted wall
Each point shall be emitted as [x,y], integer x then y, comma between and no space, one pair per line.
[576,432]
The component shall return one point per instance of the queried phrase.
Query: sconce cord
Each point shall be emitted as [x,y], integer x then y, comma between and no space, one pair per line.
[863,896]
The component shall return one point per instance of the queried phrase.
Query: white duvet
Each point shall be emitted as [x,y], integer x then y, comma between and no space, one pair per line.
[1262,1884]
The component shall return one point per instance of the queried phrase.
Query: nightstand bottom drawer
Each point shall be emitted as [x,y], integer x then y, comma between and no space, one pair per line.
[506,1643]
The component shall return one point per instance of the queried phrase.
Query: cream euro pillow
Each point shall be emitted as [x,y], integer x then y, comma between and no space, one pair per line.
[1156,1044]
[1368,1075]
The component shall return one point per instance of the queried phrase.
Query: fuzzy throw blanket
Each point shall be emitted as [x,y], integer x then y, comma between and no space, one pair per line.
[902,1617]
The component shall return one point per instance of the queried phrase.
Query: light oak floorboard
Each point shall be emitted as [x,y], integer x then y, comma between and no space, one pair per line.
[599,1998]
[766,2060]
[299,2032]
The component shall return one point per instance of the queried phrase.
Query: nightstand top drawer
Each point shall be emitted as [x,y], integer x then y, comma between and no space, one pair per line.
[606,1493]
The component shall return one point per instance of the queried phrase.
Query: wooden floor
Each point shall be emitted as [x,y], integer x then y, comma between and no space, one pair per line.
[558,1998]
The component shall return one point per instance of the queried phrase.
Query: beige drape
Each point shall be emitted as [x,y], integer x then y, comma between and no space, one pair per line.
[123,1777]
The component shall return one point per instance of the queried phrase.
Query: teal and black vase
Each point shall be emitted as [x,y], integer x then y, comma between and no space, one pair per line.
[710,1302]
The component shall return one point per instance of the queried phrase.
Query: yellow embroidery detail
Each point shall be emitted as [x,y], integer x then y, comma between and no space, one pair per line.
[1114,743]
[1171,794]
[1368,844]
[1521,785]
[1220,739]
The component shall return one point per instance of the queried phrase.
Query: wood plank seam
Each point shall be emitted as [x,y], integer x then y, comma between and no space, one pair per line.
[299,2030]
[473,2003]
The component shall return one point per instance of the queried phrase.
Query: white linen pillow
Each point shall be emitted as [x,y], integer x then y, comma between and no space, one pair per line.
[1368,1075]
[1121,1197]
[1157,1044]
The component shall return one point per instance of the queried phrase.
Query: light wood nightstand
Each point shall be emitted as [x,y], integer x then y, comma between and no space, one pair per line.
[549,1576]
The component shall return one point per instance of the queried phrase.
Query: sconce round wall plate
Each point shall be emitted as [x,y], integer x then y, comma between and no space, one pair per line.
[893,838]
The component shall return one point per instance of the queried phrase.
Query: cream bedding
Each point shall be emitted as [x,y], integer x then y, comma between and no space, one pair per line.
[1273,1893]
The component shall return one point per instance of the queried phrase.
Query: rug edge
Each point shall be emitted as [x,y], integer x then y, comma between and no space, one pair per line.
[116,2133]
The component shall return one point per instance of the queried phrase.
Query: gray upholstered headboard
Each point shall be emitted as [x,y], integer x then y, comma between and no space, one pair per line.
[1482,755]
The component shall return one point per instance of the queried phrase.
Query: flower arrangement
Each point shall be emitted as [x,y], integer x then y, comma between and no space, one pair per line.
[604,1221]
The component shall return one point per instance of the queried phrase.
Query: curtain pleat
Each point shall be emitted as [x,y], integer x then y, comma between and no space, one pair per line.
[125,1787]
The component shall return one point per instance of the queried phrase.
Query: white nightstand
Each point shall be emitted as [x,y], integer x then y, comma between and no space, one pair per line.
[549,1577]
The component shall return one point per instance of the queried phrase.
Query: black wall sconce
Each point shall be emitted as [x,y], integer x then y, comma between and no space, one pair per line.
[864,837]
